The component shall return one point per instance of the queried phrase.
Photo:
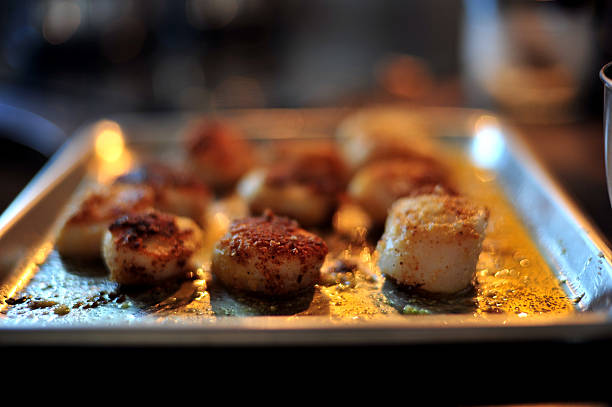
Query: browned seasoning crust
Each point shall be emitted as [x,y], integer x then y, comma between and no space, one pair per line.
[110,204]
[159,176]
[218,143]
[270,252]
[459,207]
[275,237]
[303,183]
[413,177]
[393,150]
[320,169]
[376,186]
[459,216]
[176,191]
[151,247]
[132,232]
[210,136]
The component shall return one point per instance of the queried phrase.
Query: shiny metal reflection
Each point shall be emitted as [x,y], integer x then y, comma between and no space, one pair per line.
[606,76]
[488,144]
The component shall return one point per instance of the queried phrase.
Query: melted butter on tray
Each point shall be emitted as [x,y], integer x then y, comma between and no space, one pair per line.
[512,278]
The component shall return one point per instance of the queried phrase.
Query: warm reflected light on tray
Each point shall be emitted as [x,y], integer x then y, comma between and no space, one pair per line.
[26,273]
[112,156]
[109,141]
[488,144]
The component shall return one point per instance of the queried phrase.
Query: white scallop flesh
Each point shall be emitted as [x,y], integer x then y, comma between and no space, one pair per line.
[433,242]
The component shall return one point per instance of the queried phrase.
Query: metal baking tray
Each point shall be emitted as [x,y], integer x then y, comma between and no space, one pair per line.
[570,244]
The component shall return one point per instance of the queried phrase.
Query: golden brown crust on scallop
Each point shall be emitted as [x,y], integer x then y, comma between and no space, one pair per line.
[210,135]
[446,210]
[135,274]
[321,170]
[376,186]
[413,177]
[176,191]
[391,151]
[463,209]
[268,255]
[302,181]
[274,237]
[132,231]
[159,176]
[110,204]
[151,247]
[217,143]
[384,133]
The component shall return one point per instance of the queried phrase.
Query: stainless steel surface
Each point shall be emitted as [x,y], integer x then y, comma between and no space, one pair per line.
[606,76]
[572,246]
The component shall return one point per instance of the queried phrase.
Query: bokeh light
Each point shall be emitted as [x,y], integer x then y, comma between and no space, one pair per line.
[109,142]
[488,144]
[61,20]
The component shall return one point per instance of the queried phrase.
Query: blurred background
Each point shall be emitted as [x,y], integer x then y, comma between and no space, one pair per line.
[65,62]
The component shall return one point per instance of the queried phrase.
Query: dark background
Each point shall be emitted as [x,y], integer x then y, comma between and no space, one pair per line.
[71,61]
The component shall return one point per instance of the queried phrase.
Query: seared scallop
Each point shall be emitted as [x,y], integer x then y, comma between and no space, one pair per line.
[176,191]
[382,133]
[152,247]
[433,242]
[81,235]
[268,255]
[376,186]
[219,153]
[304,186]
